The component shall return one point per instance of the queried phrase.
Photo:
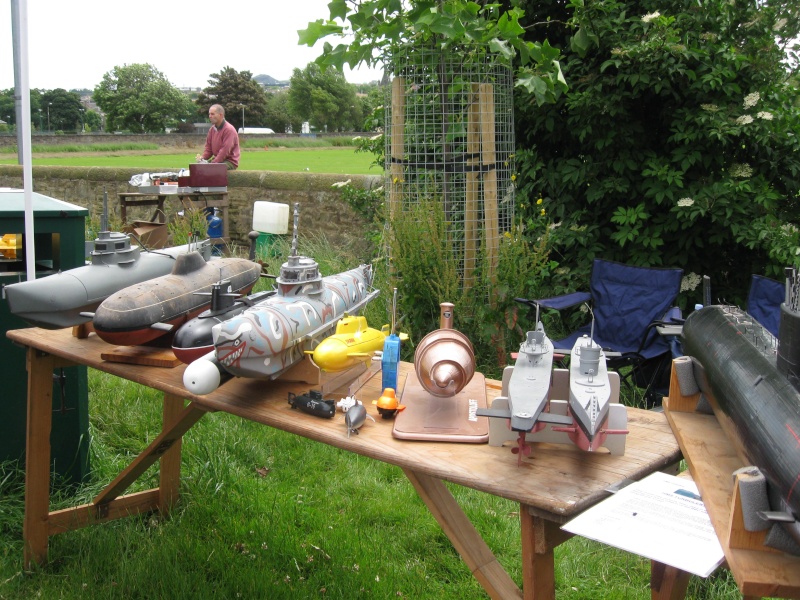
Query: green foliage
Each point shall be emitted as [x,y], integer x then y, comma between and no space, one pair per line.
[375,29]
[324,99]
[425,272]
[368,203]
[278,117]
[189,226]
[71,148]
[140,99]
[677,143]
[235,91]
[62,109]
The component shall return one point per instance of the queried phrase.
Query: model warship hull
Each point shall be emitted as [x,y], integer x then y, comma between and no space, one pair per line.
[755,403]
[59,300]
[589,395]
[141,313]
[530,382]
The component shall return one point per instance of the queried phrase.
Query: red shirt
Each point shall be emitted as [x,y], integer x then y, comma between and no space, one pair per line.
[223,144]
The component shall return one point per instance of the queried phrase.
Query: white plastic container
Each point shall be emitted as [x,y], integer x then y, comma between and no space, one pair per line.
[270,217]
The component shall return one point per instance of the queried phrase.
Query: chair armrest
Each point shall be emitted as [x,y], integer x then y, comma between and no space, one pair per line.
[561,302]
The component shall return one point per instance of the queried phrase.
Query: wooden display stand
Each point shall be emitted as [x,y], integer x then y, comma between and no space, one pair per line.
[759,571]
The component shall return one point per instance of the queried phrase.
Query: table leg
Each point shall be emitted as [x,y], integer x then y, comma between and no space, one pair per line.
[170,462]
[37,457]
[465,538]
[539,538]
[667,582]
[181,422]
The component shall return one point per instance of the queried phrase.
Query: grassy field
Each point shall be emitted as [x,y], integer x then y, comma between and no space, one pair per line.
[313,160]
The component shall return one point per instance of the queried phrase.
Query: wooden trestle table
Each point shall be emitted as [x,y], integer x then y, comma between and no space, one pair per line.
[557,483]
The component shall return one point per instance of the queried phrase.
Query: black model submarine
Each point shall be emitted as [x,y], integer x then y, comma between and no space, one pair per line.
[755,393]
[194,339]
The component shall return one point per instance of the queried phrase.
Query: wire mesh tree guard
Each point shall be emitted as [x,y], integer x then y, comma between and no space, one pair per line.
[449,132]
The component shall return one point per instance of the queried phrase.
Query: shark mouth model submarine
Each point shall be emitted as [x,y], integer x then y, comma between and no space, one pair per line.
[141,313]
[755,393]
[59,300]
[194,339]
[265,340]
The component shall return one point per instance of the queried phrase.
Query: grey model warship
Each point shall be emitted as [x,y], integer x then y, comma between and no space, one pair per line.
[589,395]
[59,300]
[528,390]
[267,339]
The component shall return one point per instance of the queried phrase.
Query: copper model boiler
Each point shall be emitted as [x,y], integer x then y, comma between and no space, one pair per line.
[444,360]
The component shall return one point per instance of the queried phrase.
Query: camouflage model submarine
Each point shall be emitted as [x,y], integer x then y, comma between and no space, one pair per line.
[59,300]
[268,338]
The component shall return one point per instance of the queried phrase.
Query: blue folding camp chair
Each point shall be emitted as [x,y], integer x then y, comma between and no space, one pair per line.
[764,302]
[628,303]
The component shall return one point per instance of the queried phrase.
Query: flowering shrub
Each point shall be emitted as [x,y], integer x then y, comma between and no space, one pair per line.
[676,144]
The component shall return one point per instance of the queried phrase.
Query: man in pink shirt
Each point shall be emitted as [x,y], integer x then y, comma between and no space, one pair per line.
[222,142]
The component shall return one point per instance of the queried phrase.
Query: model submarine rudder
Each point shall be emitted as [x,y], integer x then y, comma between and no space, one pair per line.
[267,339]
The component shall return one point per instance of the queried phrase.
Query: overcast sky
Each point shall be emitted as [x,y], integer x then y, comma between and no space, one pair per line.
[71,45]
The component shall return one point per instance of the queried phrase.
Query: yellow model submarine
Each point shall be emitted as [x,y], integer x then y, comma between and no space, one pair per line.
[353,342]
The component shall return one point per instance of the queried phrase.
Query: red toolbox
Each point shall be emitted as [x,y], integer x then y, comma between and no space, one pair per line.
[208,175]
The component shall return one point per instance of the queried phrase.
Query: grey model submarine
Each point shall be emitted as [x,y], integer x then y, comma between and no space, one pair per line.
[58,300]
[755,393]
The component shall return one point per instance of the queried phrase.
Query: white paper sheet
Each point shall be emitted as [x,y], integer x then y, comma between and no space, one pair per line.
[662,518]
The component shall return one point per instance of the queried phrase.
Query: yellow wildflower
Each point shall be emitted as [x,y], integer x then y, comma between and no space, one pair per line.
[544,212]
[539,201]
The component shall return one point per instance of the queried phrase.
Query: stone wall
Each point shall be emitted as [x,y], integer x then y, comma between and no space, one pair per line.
[321,207]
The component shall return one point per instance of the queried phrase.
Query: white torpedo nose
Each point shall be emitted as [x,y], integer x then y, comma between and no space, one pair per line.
[201,377]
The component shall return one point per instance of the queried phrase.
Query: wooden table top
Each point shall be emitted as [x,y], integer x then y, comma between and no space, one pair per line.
[558,481]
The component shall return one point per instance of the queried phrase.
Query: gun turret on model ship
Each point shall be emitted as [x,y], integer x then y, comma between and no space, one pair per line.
[752,382]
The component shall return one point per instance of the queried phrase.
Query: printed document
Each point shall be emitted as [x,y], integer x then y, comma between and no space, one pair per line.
[662,518]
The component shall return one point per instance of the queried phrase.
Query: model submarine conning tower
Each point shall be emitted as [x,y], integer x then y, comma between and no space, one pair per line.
[788,359]
[298,271]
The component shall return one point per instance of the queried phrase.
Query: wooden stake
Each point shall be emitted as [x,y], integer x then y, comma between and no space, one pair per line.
[489,161]
[471,200]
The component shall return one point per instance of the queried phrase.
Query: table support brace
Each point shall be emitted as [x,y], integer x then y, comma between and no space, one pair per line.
[465,538]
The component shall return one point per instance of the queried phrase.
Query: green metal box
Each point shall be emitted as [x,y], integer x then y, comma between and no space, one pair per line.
[59,233]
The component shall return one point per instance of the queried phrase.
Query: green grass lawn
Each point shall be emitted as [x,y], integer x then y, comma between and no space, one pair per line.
[313,160]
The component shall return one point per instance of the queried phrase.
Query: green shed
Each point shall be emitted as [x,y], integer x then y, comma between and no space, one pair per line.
[59,233]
